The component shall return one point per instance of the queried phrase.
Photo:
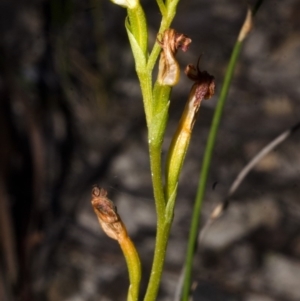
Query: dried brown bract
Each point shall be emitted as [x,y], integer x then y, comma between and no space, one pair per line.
[107,214]
[170,41]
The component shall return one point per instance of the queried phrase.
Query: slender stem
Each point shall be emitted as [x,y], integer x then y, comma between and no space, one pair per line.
[156,49]
[161,6]
[162,231]
[163,226]
[145,79]
[259,156]
[156,132]
[162,235]
[204,172]
[208,155]
[155,164]
[134,267]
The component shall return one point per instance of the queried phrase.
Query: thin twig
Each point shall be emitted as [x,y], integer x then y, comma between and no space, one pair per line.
[220,208]
[267,149]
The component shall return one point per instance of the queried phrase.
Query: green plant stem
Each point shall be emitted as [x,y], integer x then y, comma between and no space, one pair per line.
[162,235]
[206,166]
[161,6]
[134,268]
[204,172]
[160,106]
[160,109]
[162,232]
[155,164]
[145,79]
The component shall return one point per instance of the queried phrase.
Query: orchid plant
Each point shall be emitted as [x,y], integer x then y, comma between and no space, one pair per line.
[156,100]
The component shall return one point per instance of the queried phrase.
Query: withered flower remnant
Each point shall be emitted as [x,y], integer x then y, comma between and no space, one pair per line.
[204,82]
[203,88]
[107,215]
[168,70]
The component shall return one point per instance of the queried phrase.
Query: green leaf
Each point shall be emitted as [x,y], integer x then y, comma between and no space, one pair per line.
[139,57]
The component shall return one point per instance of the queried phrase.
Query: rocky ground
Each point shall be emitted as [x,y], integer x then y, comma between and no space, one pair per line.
[253,252]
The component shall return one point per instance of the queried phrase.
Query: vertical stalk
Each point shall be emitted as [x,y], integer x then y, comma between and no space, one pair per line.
[209,150]
[162,232]
[155,165]
[145,79]
[162,236]
[204,174]
[134,267]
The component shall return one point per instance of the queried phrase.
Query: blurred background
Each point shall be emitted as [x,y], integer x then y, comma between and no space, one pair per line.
[71,116]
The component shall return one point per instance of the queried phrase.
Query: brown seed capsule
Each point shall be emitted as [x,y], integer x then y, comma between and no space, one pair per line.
[107,214]
[203,88]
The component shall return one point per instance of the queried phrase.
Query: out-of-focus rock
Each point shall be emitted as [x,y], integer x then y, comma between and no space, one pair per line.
[241,219]
[282,275]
